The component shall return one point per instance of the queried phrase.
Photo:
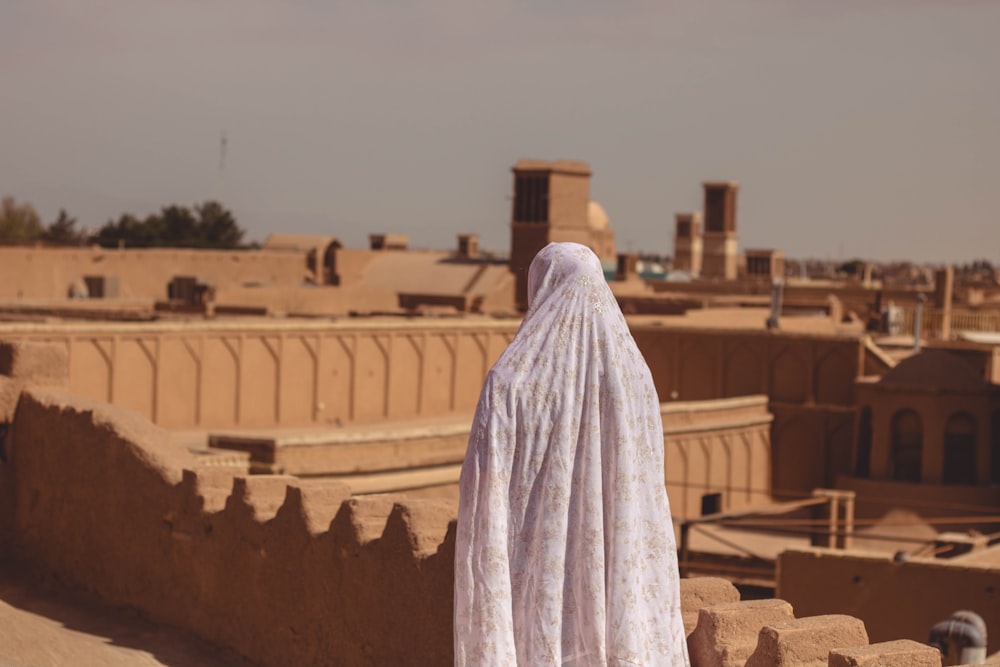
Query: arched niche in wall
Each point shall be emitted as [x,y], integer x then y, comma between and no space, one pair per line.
[835,380]
[907,447]
[863,456]
[959,450]
[699,369]
[995,447]
[788,378]
[798,455]
[743,370]
[329,273]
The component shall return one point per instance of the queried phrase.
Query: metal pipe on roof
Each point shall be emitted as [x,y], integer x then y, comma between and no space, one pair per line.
[966,632]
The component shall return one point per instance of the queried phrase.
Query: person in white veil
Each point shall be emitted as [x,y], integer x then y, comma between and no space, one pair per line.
[565,551]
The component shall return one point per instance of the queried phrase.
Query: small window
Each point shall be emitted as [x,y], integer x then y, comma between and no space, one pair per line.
[960,450]
[711,503]
[995,447]
[907,447]
[862,466]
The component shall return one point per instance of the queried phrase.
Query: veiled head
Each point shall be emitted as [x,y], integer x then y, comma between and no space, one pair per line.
[557,263]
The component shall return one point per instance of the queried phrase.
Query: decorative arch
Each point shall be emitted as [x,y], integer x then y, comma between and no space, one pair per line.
[863,457]
[959,449]
[788,378]
[743,371]
[834,380]
[907,447]
[995,447]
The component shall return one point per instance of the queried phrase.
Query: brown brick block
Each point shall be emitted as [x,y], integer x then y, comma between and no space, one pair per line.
[900,653]
[726,634]
[806,642]
[700,592]
[35,362]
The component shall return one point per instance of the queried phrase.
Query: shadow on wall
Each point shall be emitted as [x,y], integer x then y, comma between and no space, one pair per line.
[287,571]
[281,570]
[99,634]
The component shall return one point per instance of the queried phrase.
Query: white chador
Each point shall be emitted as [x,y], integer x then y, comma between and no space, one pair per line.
[565,551]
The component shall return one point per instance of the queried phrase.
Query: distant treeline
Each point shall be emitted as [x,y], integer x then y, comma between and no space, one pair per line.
[207,225]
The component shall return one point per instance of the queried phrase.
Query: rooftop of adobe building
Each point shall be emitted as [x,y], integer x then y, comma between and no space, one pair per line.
[47,625]
[279,530]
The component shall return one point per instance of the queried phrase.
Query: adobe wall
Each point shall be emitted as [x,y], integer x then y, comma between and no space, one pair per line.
[278,373]
[935,408]
[291,373]
[21,364]
[349,264]
[711,447]
[721,446]
[809,380]
[143,273]
[282,570]
[895,600]
[400,369]
[309,300]
[875,499]
[287,571]
[854,296]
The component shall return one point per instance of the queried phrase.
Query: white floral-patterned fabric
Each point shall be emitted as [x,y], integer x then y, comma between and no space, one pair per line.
[565,552]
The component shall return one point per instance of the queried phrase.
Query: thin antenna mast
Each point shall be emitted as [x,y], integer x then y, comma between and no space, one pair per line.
[222,167]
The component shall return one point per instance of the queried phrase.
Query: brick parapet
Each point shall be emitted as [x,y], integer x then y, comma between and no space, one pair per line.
[899,653]
[283,570]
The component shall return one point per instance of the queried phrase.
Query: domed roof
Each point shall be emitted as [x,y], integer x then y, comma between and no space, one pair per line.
[597,218]
[934,369]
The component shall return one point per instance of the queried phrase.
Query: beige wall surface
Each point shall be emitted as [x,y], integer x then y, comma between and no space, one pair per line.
[265,373]
[854,296]
[569,199]
[895,600]
[286,373]
[876,498]
[934,409]
[808,379]
[282,570]
[47,273]
[721,446]
[711,447]
[294,572]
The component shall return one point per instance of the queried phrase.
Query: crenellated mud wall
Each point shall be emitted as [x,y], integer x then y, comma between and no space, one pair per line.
[284,571]
[292,572]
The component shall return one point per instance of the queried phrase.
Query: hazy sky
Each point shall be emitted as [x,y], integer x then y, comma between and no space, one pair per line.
[856,127]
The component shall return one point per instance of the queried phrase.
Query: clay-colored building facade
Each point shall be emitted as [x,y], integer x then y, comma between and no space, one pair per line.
[219,375]
[720,242]
[50,273]
[932,419]
[106,502]
[688,243]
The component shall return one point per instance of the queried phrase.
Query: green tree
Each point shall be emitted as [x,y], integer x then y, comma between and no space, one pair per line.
[209,225]
[127,230]
[218,226]
[63,231]
[179,228]
[19,223]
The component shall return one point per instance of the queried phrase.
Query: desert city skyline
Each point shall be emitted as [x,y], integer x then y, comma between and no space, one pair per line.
[859,130]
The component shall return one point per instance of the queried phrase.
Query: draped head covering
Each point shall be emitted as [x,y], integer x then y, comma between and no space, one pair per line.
[565,551]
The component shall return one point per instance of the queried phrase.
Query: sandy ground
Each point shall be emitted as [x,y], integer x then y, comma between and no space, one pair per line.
[45,627]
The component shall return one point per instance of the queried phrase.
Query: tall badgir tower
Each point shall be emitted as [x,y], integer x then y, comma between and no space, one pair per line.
[719,243]
[552,203]
[687,243]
